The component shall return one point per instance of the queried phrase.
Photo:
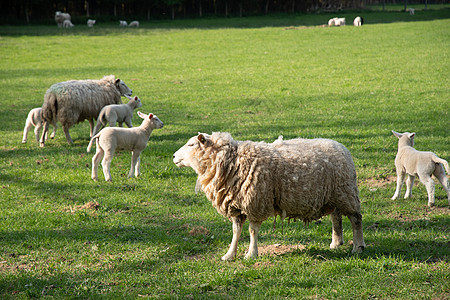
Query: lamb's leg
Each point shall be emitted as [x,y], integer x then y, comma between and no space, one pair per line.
[409,185]
[238,222]
[253,228]
[37,131]
[66,132]
[400,179]
[106,164]
[91,126]
[26,129]
[95,162]
[138,167]
[99,126]
[337,238]
[440,175]
[135,161]
[358,239]
[54,131]
[429,184]
[44,134]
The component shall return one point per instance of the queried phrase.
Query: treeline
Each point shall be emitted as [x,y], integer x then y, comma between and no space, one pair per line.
[33,10]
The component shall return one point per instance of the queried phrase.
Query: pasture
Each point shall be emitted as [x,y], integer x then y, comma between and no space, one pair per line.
[63,235]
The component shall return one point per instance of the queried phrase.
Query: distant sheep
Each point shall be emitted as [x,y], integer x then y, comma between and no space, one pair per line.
[113,113]
[411,163]
[132,139]
[67,24]
[74,101]
[331,22]
[134,24]
[301,179]
[90,23]
[61,17]
[34,119]
[358,21]
[339,21]
[123,23]
[411,11]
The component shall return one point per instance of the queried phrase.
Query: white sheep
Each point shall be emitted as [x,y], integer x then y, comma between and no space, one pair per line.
[34,119]
[74,101]
[331,22]
[302,179]
[117,113]
[339,21]
[134,24]
[61,17]
[411,163]
[123,23]
[358,21]
[411,11]
[90,23]
[132,139]
[67,24]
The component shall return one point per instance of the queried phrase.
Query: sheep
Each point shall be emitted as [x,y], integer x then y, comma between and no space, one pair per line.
[303,179]
[74,101]
[132,139]
[331,22]
[358,21]
[120,113]
[123,23]
[412,163]
[90,23]
[411,11]
[134,24]
[339,21]
[61,17]
[67,24]
[34,119]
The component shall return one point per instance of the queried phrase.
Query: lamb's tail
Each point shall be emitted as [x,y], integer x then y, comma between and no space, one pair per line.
[442,161]
[91,141]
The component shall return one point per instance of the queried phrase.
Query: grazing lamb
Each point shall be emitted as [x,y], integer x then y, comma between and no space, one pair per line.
[134,24]
[414,163]
[113,113]
[74,101]
[34,119]
[358,21]
[339,21]
[132,139]
[61,17]
[301,179]
[67,24]
[90,23]
[123,23]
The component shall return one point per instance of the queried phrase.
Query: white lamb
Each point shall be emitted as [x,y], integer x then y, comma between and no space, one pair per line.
[60,17]
[123,23]
[34,119]
[132,139]
[331,22]
[414,163]
[90,23]
[339,22]
[134,24]
[67,24]
[117,113]
[411,11]
[358,21]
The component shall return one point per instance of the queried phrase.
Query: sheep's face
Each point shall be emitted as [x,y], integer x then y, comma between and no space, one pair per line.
[123,89]
[138,102]
[155,122]
[187,156]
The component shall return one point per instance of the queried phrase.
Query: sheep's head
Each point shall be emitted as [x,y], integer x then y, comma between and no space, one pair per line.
[134,102]
[123,89]
[155,122]
[405,139]
[188,155]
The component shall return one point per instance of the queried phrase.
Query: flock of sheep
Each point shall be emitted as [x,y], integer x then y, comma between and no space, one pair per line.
[64,20]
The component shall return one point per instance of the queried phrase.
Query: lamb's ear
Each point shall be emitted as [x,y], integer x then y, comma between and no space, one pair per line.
[141,115]
[150,116]
[397,134]
[412,135]
[117,81]
[135,98]
[201,138]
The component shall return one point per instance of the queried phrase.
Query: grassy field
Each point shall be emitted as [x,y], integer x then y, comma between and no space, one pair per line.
[64,236]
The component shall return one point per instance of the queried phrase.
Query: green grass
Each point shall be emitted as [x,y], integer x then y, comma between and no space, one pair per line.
[153,236]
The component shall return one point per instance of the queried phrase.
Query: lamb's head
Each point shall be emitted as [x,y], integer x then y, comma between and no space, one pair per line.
[154,121]
[405,139]
[134,102]
[123,89]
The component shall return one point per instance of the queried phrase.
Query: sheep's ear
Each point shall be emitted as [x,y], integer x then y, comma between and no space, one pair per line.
[143,116]
[412,135]
[399,135]
[201,138]
[150,116]
[135,98]
[117,80]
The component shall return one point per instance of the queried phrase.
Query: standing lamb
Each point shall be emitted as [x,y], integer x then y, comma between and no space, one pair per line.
[74,101]
[61,17]
[132,139]
[123,23]
[134,24]
[113,113]
[414,163]
[34,119]
[67,24]
[358,21]
[90,23]
[304,179]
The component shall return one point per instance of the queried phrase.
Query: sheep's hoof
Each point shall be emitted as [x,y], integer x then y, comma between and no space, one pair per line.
[228,257]
[41,145]
[24,142]
[431,204]
[358,249]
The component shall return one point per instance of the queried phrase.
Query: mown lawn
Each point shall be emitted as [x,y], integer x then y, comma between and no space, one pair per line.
[64,236]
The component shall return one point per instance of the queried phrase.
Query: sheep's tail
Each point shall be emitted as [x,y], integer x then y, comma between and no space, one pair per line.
[50,107]
[442,161]
[91,141]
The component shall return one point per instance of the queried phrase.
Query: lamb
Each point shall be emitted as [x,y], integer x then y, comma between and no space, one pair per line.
[74,101]
[304,179]
[90,23]
[132,139]
[67,24]
[411,162]
[339,21]
[123,23]
[358,21]
[61,17]
[331,22]
[411,11]
[113,113]
[134,24]
[34,119]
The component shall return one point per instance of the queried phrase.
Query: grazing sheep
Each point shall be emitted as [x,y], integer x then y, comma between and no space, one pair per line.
[134,24]
[67,24]
[74,101]
[301,179]
[132,139]
[61,17]
[34,119]
[358,21]
[123,23]
[90,23]
[113,113]
[331,22]
[339,21]
[412,163]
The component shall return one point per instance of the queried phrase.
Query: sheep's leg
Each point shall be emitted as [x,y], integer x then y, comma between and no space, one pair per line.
[91,126]
[120,124]
[106,164]
[128,122]
[27,128]
[358,239]
[95,162]
[337,237]
[37,131]
[440,175]
[429,184]
[253,248]
[66,132]
[44,134]
[138,167]
[135,162]
[238,222]
[54,131]
[409,185]
[400,179]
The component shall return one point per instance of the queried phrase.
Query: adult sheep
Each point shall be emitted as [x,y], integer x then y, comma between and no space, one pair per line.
[74,101]
[61,17]
[301,179]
